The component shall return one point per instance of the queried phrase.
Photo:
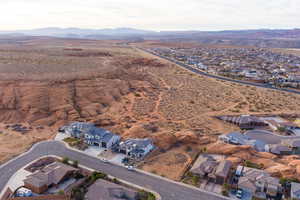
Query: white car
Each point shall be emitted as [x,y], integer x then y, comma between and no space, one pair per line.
[239,194]
[104,160]
[130,168]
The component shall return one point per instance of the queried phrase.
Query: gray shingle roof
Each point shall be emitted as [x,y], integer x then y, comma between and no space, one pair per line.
[51,174]
[223,168]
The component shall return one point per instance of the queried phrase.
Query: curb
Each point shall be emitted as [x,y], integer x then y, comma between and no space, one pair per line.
[138,170]
[6,186]
[158,197]
[24,153]
[148,173]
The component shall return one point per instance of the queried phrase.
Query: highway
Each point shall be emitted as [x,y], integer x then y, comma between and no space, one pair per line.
[168,190]
[197,71]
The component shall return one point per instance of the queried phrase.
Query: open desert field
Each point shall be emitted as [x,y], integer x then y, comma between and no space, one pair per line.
[50,82]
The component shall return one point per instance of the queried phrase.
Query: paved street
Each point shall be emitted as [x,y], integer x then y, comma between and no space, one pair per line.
[268,137]
[167,189]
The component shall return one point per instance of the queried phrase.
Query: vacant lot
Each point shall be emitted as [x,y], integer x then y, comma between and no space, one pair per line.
[51,82]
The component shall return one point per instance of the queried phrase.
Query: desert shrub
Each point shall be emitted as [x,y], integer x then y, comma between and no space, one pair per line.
[195,180]
[281,129]
[61,192]
[65,160]
[188,149]
[225,193]
[144,195]
[250,164]
[151,127]
[78,175]
[116,181]
[98,175]
[284,181]
[75,163]
[77,194]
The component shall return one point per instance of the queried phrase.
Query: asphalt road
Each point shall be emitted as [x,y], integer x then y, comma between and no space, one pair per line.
[219,77]
[167,189]
[268,137]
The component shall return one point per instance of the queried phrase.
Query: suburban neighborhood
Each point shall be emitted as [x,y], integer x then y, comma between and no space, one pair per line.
[256,65]
[53,178]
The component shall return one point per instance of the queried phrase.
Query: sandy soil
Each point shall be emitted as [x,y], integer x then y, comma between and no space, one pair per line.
[126,91]
[13,143]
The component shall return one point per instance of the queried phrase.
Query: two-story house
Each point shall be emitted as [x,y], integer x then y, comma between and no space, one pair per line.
[136,148]
[259,183]
[92,135]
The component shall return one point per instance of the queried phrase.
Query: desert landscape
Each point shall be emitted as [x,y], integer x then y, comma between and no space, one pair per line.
[46,83]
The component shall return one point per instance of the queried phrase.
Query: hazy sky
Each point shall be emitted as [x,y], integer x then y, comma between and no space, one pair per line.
[150,14]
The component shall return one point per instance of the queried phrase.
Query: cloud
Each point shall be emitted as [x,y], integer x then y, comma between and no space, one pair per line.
[154,14]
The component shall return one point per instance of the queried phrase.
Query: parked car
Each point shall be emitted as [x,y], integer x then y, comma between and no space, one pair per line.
[104,160]
[130,168]
[239,194]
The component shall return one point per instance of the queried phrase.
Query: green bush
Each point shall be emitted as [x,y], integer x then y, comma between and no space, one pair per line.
[195,180]
[65,160]
[144,195]
[225,193]
[61,192]
[250,164]
[98,175]
[116,181]
[75,163]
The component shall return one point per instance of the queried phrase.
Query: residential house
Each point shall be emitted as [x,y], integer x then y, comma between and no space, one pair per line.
[289,126]
[207,167]
[259,183]
[223,171]
[104,190]
[295,191]
[204,165]
[51,175]
[136,148]
[244,121]
[293,144]
[279,149]
[238,138]
[92,135]
[42,197]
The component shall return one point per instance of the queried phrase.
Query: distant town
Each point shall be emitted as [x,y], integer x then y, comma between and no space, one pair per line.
[250,64]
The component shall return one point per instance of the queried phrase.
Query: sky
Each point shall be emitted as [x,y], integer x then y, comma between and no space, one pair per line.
[150,14]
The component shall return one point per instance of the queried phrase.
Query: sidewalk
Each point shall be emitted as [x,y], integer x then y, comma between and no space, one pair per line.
[150,174]
[93,151]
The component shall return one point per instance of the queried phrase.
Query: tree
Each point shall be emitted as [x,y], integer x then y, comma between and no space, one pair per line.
[61,192]
[281,129]
[116,181]
[65,160]
[225,193]
[75,163]
[98,175]
[144,195]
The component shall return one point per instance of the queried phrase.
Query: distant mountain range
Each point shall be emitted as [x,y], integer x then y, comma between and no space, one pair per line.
[260,37]
[81,33]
